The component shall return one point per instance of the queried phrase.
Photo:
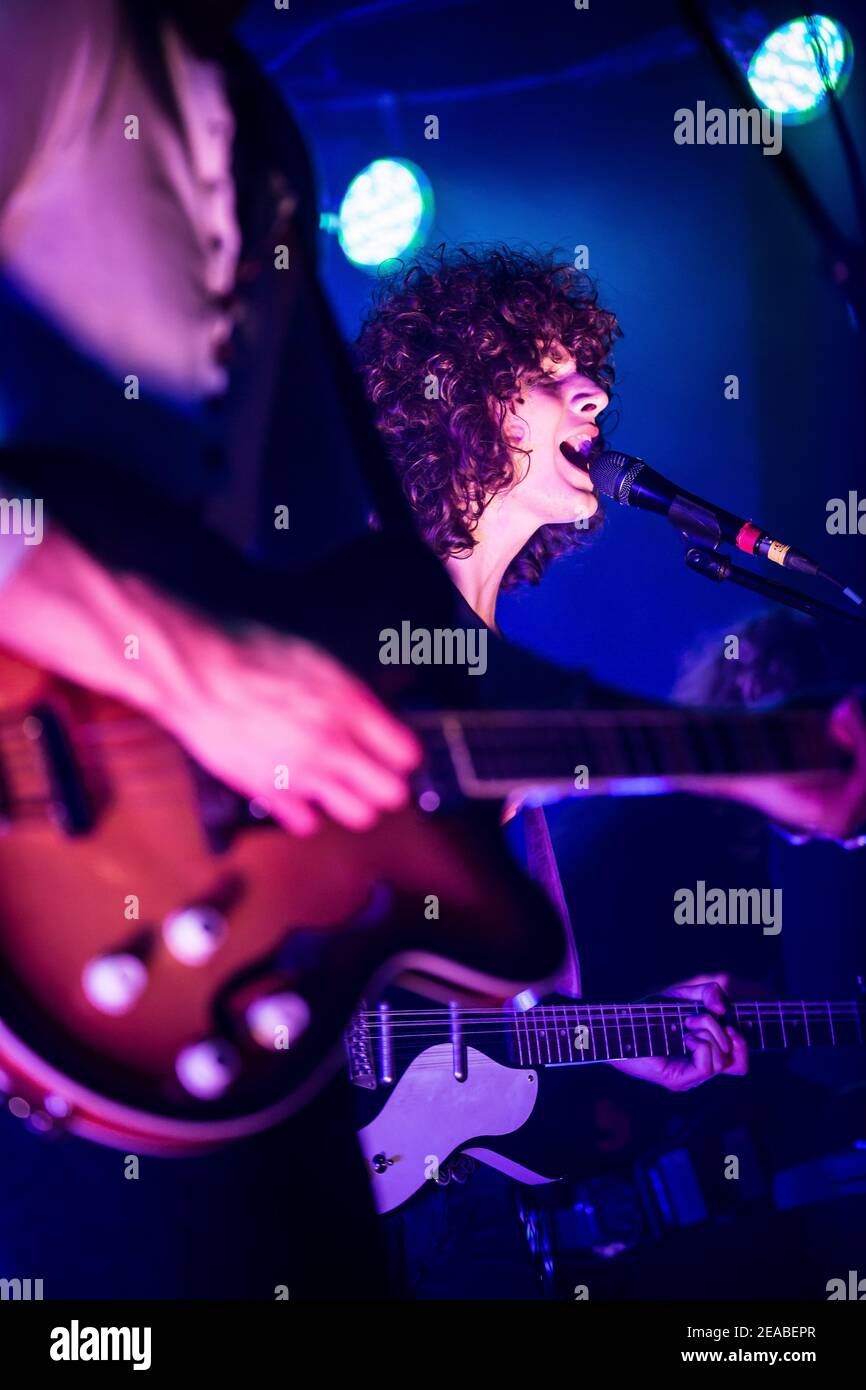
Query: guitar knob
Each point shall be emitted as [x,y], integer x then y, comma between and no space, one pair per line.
[267,1016]
[207,1069]
[380,1163]
[193,934]
[113,984]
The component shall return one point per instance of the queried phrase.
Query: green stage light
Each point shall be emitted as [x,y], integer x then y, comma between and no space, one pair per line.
[386,211]
[794,66]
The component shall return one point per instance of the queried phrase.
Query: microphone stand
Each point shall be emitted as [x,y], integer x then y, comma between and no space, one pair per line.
[719,568]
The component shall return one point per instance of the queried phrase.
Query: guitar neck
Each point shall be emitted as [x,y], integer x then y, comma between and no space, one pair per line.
[572,1034]
[489,753]
[569,1034]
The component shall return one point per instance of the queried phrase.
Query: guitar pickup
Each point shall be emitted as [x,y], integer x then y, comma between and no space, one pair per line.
[69,799]
[5,804]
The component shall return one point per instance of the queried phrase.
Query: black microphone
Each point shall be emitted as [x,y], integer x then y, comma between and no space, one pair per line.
[632,483]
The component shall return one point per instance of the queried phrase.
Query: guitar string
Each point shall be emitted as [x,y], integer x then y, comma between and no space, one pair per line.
[789,1021]
[677,1050]
[766,1009]
[498,723]
[501,1026]
[672,1004]
[540,721]
[560,1027]
[446,1040]
[467,1038]
[407,1045]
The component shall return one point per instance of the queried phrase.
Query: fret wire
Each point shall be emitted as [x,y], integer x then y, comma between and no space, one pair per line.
[714,744]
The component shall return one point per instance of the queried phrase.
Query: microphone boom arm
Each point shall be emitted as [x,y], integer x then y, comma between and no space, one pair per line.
[717,567]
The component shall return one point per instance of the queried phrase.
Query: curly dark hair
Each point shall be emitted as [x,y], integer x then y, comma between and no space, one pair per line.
[476,322]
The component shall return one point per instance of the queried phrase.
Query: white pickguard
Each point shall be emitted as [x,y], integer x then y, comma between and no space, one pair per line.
[430,1115]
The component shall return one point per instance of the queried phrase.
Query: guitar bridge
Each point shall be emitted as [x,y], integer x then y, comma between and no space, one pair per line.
[362,1071]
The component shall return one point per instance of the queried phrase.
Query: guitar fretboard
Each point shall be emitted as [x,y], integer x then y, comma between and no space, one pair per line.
[490,752]
[559,1035]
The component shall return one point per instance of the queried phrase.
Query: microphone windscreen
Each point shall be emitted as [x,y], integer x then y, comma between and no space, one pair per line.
[613,473]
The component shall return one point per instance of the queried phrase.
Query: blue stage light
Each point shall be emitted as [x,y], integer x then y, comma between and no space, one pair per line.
[387,210]
[794,66]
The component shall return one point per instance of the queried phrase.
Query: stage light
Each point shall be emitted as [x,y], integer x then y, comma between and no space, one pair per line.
[789,76]
[387,210]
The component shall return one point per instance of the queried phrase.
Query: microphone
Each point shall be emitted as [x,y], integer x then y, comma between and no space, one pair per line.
[632,483]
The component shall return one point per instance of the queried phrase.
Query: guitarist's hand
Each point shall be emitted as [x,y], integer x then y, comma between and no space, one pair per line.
[271,702]
[244,707]
[713,1047]
[830,804]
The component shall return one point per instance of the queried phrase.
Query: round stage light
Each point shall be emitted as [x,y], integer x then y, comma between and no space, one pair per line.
[794,66]
[387,210]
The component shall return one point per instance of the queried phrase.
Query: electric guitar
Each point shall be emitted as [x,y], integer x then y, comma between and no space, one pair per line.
[177,972]
[467,1080]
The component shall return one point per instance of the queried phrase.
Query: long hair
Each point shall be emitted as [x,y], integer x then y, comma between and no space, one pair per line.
[443,351]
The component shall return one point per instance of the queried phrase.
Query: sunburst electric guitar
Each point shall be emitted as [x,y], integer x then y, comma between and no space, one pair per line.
[177,972]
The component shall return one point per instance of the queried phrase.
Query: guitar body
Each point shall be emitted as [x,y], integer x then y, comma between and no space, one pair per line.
[321,922]
[177,972]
